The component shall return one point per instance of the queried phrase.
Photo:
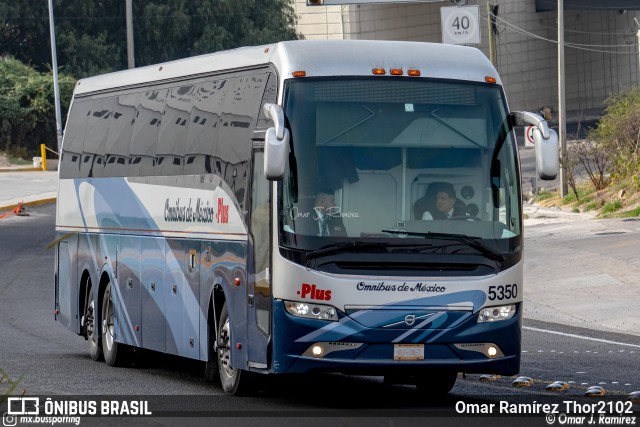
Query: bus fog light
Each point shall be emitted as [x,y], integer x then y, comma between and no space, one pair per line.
[488,349]
[494,314]
[317,350]
[492,351]
[321,350]
[311,311]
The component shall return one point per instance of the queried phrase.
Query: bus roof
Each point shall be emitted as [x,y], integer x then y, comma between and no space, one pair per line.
[316,58]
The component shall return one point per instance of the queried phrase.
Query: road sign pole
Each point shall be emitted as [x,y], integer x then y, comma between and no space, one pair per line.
[54,66]
[562,131]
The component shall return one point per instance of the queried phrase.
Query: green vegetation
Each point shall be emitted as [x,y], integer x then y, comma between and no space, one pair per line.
[27,112]
[544,195]
[610,161]
[632,213]
[592,206]
[608,201]
[612,206]
[12,385]
[581,195]
[618,134]
[91,39]
[91,35]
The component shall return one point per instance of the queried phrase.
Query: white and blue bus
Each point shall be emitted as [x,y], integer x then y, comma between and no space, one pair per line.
[281,209]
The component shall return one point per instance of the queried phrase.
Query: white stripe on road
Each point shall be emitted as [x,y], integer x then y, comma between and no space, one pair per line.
[580,337]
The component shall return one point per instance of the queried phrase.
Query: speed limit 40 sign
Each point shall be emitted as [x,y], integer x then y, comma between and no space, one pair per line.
[460,24]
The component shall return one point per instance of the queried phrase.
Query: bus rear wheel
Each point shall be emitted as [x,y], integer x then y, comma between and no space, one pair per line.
[95,346]
[115,354]
[234,381]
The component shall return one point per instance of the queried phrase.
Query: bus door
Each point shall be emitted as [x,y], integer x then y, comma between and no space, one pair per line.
[259,288]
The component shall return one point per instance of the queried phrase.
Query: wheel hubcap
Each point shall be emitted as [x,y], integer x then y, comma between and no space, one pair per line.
[224,350]
[89,320]
[107,322]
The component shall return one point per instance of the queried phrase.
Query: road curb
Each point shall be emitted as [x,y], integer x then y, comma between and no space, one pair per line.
[39,202]
[30,169]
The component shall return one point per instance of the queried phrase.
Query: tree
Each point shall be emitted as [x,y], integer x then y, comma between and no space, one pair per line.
[91,35]
[27,112]
[618,133]
[91,39]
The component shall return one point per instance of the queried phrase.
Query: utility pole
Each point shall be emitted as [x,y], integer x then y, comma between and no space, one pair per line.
[493,55]
[562,131]
[56,88]
[638,36]
[131,62]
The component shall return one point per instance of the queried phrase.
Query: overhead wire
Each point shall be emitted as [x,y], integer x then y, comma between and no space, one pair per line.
[587,47]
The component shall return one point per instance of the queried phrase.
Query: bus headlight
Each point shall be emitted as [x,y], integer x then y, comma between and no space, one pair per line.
[311,311]
[494,314]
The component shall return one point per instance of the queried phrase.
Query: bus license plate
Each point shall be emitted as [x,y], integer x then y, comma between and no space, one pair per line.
[408,352]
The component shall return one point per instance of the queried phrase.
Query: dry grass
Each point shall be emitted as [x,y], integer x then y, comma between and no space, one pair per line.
[613,202]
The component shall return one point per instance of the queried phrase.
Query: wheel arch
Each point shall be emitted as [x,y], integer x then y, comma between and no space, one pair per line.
[102,285]
[216,302]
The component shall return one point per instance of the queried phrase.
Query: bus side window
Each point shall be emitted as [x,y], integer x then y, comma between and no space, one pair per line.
[74,139]
[204,125]
[119,134]
[144,139]
[173,130]
[93,153]
[239,116]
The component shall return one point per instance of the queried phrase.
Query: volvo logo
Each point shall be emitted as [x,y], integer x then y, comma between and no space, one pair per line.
[410,319]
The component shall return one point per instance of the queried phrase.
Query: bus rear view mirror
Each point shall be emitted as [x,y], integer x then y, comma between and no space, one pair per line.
[545,142]
[547,159]
[276,144]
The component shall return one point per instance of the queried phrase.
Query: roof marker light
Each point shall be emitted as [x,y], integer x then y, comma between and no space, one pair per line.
[299,73]
[413,73]
[490,79]
[378,71]
[395,71]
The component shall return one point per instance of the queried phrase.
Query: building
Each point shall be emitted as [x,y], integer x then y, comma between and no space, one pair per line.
[601,43]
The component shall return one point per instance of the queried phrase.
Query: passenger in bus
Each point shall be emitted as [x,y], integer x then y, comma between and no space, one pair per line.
[328,216]
[444,203]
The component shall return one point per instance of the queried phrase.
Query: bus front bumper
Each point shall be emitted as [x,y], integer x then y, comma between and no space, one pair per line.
[305,345]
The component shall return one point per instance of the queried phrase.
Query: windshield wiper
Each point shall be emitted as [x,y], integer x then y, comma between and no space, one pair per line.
[462,238]
[345,246]
[433,114]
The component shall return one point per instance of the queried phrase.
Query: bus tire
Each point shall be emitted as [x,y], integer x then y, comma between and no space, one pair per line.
[211,374]
[234,381]
[95,345]
[436,384]
[115,354]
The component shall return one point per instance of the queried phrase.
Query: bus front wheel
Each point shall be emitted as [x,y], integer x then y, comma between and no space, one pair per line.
[211,373]
[234,381]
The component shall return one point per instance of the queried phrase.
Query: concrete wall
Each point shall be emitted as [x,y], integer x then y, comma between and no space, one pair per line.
[320,22]
[605,63]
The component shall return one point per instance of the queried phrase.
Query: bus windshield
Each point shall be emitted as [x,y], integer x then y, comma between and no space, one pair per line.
[397,161]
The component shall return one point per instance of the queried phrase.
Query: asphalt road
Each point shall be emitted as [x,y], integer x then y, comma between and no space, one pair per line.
[51,361]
